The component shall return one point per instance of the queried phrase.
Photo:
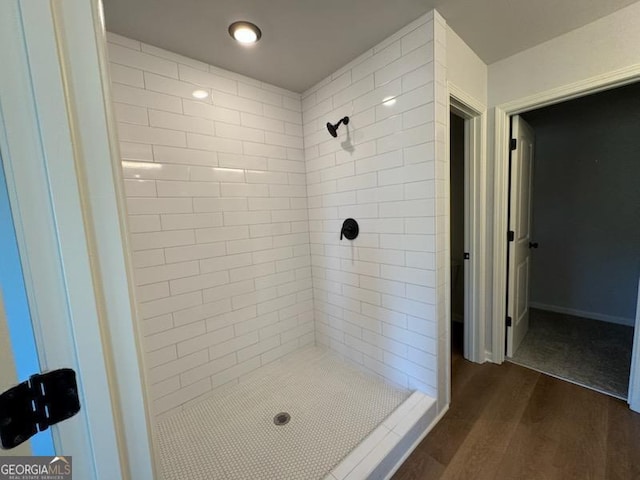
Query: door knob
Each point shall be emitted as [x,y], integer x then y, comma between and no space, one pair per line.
[533,244]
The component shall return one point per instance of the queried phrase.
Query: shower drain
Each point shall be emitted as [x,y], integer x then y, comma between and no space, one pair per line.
[281,418]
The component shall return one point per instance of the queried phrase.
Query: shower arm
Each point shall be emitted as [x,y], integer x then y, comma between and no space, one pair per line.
[333,128]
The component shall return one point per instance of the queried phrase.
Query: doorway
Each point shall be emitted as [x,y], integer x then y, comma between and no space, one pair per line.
[467,229]
[457,198]
[573,234]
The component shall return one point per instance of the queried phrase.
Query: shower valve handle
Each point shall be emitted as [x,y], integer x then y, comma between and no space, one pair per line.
[349,229]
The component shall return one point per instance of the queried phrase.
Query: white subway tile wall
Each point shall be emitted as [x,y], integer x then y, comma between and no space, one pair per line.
[375,297]
[217,208]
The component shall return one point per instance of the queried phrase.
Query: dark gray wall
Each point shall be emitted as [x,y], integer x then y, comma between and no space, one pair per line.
[586,204]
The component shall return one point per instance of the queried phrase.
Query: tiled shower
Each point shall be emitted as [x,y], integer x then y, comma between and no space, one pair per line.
[235,204]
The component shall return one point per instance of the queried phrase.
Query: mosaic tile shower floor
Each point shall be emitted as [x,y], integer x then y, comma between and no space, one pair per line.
[231,435]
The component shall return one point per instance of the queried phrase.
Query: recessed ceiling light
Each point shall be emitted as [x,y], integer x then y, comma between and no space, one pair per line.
[200,94]
[245,32]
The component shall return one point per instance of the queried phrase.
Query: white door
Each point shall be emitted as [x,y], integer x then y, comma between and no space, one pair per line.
[53,139]
[519,263]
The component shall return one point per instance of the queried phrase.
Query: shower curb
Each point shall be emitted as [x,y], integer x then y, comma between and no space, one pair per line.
[379,455]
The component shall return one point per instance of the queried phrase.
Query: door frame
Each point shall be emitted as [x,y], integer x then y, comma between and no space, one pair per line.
[60,154]
[501,118]
[474,114]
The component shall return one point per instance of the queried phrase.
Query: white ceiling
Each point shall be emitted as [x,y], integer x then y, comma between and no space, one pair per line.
[303,41]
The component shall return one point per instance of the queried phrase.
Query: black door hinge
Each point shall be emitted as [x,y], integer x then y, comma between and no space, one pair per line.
[33,406]
[508,321]
[513,144]
[511,235]
[467,256]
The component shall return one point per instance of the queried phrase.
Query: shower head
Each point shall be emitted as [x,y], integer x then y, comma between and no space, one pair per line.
[333,129]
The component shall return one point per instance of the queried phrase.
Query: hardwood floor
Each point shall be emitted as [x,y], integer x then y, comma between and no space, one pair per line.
[510,423]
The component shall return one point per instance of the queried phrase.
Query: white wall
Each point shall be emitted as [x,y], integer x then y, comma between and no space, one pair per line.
[217,208]
[586,204]
[608,44]
[467,78]
[465,69]
[375,297]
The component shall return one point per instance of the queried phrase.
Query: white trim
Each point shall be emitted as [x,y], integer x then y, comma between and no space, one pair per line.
[82,48]
[474,113]
[58,148]
[634,380]
[42,186]
[502,114]
[581,313]
[589,86]
[474,105]
[43,137]
[500,179]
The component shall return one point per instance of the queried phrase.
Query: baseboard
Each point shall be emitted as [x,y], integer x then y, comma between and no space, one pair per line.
[629,322]
[488,356]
